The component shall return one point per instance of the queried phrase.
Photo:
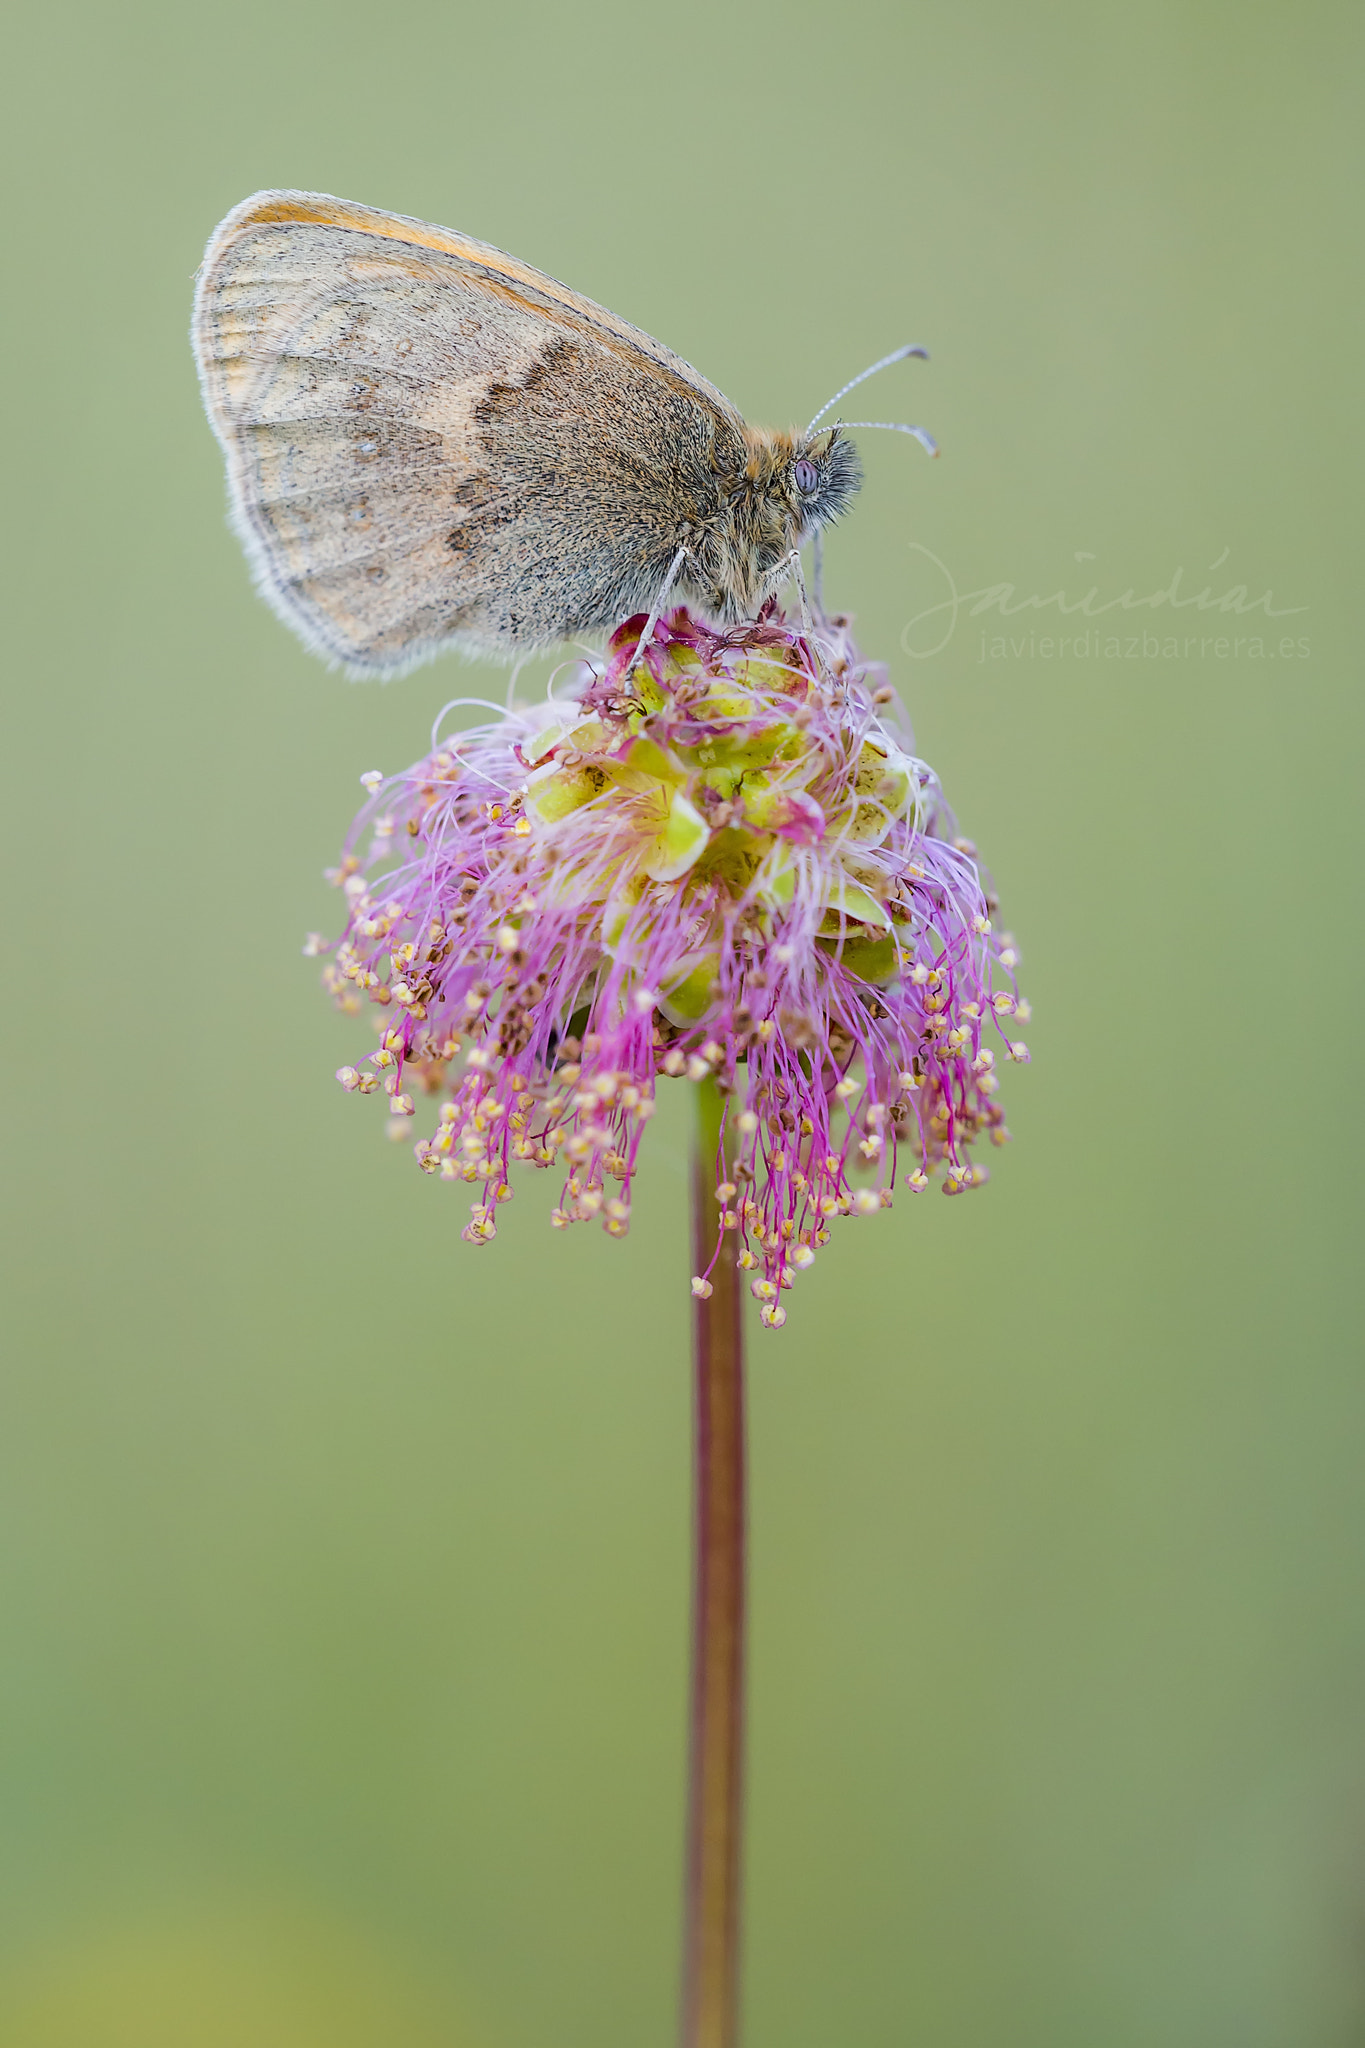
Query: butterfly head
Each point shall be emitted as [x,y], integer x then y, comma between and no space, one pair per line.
[793,484]
[824,478]
[789,486]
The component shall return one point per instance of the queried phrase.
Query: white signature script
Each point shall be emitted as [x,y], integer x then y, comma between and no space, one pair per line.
[1002,599]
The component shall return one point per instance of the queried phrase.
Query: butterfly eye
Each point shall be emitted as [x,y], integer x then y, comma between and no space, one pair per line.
[805,475]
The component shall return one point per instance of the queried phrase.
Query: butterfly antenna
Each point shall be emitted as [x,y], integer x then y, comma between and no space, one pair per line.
[912,348]
[926,440]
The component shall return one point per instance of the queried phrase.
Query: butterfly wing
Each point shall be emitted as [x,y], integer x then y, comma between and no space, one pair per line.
[431,445]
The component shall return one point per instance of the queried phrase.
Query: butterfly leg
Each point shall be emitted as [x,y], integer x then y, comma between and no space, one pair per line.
[792,562]
[801,589]
[656,609]
[790,565]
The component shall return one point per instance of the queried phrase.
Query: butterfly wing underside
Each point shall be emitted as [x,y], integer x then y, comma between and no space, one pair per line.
[431,445]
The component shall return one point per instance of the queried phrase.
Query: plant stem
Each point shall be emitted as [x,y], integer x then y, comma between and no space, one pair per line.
[716,1752]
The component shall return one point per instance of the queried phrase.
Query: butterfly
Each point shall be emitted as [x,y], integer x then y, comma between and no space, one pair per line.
[431,445]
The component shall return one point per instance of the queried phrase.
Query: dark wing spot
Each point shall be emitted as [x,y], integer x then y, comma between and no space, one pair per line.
[557,363]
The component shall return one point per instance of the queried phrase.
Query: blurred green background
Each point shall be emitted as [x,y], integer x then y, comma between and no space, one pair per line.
[345,1572]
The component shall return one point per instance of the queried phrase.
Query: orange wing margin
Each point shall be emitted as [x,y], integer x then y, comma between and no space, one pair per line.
[265,209]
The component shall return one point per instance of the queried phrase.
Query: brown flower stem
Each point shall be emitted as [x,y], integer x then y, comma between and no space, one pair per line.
[716,1752]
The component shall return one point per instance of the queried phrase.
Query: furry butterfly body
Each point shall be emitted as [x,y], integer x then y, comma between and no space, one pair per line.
[430,445]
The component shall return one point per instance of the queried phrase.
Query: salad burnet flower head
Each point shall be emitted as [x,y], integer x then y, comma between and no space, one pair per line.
[716,858]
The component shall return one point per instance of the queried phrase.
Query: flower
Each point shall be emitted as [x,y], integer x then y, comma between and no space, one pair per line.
[717,859]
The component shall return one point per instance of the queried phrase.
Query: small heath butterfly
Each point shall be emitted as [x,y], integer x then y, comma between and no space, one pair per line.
[430,445]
